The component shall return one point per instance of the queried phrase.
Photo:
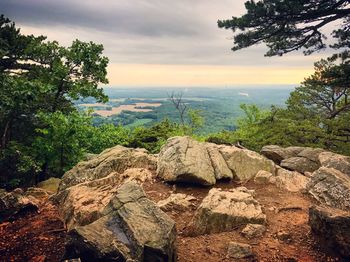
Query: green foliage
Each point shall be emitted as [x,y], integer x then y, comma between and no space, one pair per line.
[154,137]
[288,25]
[38,80]
[195,119]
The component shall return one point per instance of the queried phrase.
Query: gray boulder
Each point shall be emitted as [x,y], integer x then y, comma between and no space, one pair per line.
[336,161]
[290,180]
[331,187]
[224,210]
[300,164]
[183,159]
[332,226]
[277,153]
[132,228]
[113,160]
[245,164]
[311,153]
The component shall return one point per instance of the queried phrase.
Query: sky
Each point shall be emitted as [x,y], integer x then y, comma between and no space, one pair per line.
[160,42]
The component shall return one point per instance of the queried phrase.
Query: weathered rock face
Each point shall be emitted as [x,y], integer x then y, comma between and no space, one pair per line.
[183,159]
[224,210]
[132,228]
[221,170]
[82,204]
[263,177]
[299,164]
[245,164]
[277,153]
[116,159]
[311,153]
[179,202]
[331,187]
[15,203]
[336,161]
[290,180]
[332,226]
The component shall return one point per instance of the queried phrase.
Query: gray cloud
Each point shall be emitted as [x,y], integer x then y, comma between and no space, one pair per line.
[146,31]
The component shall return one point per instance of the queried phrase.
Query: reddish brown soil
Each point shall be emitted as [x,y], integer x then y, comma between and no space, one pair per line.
[37,237]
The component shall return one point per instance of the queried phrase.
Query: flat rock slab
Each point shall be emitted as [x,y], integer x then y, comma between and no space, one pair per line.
[222,211]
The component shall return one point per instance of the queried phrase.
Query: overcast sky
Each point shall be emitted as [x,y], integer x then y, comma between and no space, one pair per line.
[160,42]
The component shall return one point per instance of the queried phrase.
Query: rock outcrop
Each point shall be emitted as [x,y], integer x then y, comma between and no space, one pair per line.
[245,164]
[132,228]
[331,187]
[300,164]
[183,159]
[290,180]
[277,153]
[336,161]
[116,159]
[225,210]
[332,227]
[15,203]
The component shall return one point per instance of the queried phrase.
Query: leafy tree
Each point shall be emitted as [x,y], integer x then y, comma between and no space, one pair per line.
[288,25]
[327,91]
[40,78]
[154,137]
[196,120]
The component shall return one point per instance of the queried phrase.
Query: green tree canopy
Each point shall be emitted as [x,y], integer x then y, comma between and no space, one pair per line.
[288,25]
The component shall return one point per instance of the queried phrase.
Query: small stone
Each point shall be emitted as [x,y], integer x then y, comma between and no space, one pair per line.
[253,230]
[262,177]
[239,250]
[284,236]
[178,202]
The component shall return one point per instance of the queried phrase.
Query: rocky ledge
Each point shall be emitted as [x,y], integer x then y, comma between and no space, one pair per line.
[110,217]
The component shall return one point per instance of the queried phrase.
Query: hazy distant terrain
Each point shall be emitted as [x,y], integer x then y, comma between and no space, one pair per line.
[133,107]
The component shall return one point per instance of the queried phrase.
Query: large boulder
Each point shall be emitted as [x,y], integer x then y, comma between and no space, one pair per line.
[336,161]
[300,164]
[290,180]
[183,159]
[82,204]
[116,159]
[245,164]
[311,153]
[331,187]
[277,153]
[132,228]
[16,203]
[332,227]
[225,210]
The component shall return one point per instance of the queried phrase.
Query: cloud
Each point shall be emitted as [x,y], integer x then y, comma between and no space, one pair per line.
[155,32]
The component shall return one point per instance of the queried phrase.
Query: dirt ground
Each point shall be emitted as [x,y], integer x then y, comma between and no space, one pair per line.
[40,236]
